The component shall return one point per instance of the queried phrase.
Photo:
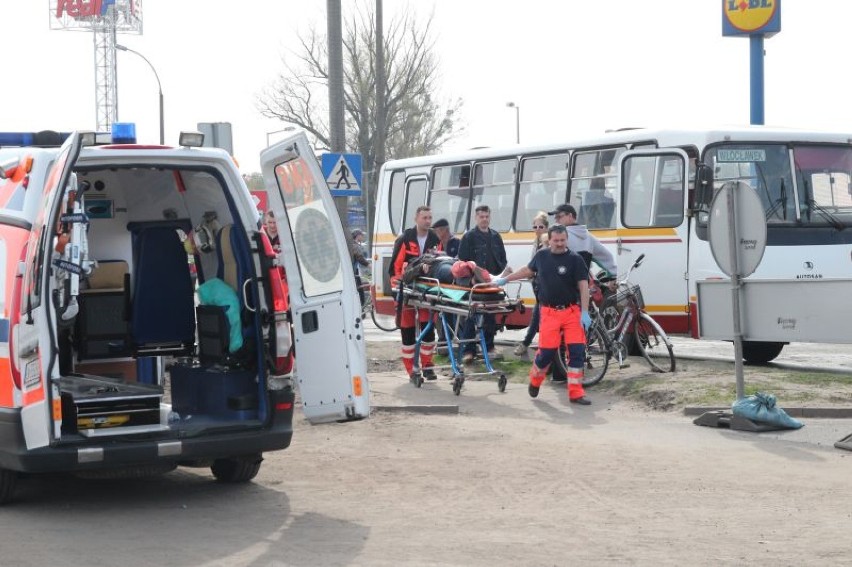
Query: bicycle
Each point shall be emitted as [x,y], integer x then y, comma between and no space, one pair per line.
[605,339]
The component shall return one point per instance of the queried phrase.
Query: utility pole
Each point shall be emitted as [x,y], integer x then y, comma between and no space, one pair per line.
[336,123]
[381,113]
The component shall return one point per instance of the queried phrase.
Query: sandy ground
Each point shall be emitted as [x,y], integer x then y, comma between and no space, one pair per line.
[515,481]
[496,479]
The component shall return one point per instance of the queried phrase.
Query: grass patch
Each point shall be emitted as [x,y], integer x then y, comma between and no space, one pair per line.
[516,370]
[818,378]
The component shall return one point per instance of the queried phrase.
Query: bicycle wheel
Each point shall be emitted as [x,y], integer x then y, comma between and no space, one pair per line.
[597,356]
[383,322]
[653,344]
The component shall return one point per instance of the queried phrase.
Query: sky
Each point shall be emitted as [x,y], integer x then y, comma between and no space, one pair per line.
[573,68]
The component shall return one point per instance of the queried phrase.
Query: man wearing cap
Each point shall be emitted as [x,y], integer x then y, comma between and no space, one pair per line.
[581,241]
[563,295]
[449,242]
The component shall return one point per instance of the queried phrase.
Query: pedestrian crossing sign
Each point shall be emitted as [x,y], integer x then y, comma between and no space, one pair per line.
[343,174]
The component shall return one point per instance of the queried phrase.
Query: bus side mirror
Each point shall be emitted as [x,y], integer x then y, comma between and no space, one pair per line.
[704,184]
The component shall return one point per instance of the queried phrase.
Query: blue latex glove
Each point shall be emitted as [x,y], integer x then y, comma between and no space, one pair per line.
[499,281]
[586,320]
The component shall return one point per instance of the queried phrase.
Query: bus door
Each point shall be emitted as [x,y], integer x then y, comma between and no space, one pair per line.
[330,365]
[34,336]
[653,186]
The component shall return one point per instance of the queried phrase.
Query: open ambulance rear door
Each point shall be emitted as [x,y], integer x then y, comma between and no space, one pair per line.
[330,367]
[34,332]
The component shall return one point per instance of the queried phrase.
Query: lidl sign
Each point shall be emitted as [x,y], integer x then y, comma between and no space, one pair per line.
[749,17]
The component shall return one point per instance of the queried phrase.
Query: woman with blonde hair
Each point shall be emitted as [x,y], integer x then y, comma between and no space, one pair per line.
[540,224]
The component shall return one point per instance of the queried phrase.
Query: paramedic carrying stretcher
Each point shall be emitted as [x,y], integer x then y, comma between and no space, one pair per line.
[564,299]
[413,243]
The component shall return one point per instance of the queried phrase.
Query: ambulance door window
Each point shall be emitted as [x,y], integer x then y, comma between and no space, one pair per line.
[319,260]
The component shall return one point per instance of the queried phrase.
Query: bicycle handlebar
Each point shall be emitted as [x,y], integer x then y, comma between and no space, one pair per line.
[638,262]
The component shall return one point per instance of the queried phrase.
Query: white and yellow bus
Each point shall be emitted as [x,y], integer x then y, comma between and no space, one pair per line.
[637,190]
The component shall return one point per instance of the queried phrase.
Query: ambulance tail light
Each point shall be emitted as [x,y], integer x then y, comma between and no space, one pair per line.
[283,359]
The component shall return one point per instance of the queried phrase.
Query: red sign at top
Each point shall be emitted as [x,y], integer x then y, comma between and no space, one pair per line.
[78,8]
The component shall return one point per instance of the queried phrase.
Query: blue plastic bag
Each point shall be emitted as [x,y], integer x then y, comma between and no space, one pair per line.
[761,408]
[217,292]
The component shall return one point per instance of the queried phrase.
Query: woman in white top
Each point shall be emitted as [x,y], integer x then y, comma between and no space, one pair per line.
[540,225]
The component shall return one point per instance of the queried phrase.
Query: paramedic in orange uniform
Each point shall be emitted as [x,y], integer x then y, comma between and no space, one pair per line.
[563,295]
[413,243]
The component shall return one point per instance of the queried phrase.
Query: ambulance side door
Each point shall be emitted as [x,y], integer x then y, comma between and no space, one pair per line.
[35,336]
[330,366]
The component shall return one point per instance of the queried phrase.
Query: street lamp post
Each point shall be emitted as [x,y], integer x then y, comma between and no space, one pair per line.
[159,88]
[517,121]
[287,129]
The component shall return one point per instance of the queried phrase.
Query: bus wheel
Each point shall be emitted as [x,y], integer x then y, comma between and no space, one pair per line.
[755,352]
[239,469]
[8,481]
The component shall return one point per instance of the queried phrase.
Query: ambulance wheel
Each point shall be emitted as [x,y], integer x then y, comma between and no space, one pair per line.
[501,383]
[417,379]
[238,469]
[8,481]
[458,382]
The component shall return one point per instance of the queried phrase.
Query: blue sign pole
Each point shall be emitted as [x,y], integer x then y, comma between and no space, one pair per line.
[756,45]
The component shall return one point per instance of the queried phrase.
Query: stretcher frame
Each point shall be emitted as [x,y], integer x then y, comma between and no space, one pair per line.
[426,293]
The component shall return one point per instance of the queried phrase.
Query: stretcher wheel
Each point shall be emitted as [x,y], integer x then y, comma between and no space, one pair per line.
[458,382]
[501,383]
[417,379]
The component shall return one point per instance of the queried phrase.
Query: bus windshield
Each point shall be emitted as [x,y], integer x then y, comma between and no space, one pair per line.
[799,185]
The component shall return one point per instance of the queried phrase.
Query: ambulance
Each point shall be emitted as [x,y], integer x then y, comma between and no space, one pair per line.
[146,320]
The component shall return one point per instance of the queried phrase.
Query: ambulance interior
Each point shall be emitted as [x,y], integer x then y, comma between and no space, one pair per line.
[153,345]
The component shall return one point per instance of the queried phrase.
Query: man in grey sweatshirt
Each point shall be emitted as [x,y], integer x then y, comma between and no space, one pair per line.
[581,241]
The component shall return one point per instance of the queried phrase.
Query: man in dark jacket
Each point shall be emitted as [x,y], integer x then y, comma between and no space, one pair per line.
[485,247]
[412,244]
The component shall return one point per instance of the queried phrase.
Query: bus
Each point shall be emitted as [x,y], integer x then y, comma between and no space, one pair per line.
[643,191]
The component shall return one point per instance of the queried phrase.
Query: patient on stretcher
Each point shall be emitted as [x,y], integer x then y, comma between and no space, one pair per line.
[446,270]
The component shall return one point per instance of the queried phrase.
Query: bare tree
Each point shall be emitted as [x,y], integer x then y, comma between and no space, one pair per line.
[416,122]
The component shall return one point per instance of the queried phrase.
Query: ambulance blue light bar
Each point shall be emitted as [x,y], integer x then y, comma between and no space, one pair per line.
[45,138]
[123,133]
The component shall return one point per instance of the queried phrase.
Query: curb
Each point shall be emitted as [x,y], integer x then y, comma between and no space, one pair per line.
[423,410]
[835,413]
[773,364]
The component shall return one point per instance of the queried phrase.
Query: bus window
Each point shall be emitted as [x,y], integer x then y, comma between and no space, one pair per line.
[824,179]
[765,168]
[593,181]
[396,197]
[669,203]
[450,194]
[653,192]
[416,197]
[494,185]
[831,189]
[542,187]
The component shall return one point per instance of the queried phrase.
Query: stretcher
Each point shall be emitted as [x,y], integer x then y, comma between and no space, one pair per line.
[448,303]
